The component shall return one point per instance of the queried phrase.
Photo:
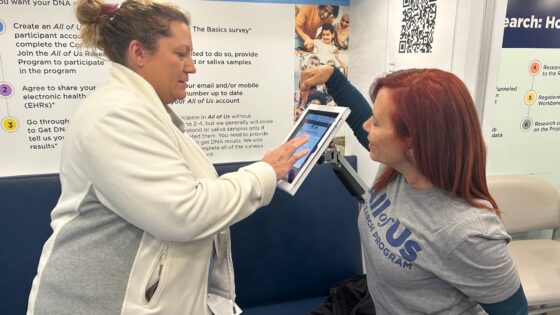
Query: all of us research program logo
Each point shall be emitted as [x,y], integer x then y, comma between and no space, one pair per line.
[395,242]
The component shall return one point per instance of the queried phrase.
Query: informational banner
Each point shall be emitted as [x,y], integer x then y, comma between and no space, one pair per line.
[526,127]
[420,34]
[330,45]
[240,102]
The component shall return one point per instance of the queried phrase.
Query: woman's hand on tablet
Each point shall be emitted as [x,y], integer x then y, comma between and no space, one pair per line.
[282,158]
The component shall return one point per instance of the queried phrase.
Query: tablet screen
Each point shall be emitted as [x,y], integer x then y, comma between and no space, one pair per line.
[315,124]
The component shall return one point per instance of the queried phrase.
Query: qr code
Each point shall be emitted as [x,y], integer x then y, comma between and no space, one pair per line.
[418,25]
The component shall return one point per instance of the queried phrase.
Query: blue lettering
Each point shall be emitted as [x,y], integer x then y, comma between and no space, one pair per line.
[384,220]
[407,265]
[381,204]
[410,250]
[396,242]
[374,201]
[364,208]
[372,195]
[386,252]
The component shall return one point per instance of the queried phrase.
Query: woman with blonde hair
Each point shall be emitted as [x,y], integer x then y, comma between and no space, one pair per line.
[142,224]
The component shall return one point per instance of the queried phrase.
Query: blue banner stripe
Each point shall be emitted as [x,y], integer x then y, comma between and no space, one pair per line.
[331,2]
[531,24]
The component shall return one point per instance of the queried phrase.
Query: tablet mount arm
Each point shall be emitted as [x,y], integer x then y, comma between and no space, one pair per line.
[347,175]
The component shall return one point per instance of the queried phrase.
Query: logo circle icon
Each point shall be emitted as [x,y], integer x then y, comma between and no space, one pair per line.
[530,97]
[526,124]
[2,26]
[10,124]
[6,89]
[534,67]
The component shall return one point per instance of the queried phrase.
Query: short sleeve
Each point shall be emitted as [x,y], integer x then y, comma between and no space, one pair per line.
[482,268]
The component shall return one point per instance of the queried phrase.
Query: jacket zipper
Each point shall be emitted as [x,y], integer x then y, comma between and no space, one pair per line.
[157,284]
[162,261]
[229,264]
[163,257]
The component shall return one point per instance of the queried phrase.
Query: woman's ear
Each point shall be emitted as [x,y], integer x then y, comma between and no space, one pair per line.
[136,54]
[409,151]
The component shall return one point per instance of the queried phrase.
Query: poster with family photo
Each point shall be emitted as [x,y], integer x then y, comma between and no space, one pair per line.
[322,37]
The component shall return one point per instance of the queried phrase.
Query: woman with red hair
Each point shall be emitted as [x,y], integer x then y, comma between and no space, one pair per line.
[432,237]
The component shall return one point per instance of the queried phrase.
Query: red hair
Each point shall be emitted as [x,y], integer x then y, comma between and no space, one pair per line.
[434,111]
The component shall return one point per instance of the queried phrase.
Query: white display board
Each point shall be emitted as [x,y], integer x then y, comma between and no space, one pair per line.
[241,98]
[525,128]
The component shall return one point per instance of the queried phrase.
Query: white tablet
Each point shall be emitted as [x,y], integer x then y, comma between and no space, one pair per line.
[320,123]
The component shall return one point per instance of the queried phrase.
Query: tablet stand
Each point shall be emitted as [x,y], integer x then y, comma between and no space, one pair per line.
[347,175]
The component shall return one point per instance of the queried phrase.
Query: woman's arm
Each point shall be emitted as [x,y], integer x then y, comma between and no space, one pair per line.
[343,93]
[514,305]
[481,267]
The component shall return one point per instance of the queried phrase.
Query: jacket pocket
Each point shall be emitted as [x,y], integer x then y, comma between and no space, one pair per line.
[156,277]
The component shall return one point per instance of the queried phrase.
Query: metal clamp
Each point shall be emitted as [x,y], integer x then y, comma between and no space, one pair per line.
[347,175]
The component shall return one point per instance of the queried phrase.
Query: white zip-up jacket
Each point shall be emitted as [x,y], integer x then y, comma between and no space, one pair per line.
[140,203]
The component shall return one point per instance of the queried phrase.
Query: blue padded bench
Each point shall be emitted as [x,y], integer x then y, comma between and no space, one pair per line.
[286,255]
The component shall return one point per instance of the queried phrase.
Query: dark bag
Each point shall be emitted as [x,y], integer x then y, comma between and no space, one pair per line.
[348,297]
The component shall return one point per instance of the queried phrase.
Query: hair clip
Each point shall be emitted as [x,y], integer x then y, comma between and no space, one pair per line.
[109,9]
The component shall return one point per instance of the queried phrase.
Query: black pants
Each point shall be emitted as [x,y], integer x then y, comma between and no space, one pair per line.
[348,297]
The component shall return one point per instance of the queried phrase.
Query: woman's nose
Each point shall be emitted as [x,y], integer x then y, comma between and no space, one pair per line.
[189,66]
[366,125]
